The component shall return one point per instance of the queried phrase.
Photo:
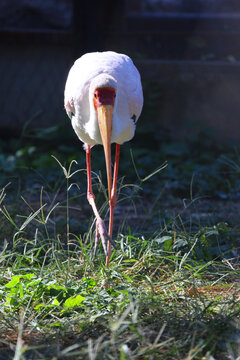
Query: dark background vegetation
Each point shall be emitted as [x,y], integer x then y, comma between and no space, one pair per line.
[188,57]
[187,53]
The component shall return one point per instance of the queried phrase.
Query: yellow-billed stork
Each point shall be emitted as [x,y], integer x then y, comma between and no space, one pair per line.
[104,99]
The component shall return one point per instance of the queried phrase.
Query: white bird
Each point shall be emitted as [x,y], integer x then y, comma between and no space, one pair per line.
[104,99]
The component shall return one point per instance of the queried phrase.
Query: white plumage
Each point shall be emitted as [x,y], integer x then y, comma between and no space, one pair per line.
[104,99]
[103,69]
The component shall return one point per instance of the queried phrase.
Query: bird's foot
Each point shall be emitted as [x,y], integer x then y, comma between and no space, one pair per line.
[102,234]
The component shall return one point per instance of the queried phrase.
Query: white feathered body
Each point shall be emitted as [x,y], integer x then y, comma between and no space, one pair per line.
[103,69]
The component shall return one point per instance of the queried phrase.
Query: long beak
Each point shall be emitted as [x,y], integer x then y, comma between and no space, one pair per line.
[105,113]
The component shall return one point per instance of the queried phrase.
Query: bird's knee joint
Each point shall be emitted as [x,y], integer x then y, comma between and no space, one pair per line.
[113,201]
[90,197]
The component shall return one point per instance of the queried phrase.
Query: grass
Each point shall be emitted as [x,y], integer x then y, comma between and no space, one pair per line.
[173,280]
[160,304]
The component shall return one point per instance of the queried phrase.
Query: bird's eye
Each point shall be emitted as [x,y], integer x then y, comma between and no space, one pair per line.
[95,95]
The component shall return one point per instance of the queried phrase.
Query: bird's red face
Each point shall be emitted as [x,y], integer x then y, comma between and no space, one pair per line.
[104,96]
[104,99]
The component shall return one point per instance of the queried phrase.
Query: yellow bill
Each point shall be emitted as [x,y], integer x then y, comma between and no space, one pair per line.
[105,114]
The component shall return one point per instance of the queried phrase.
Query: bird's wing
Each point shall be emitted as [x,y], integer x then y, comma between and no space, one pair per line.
[70,109]
[131,83]
[77,85]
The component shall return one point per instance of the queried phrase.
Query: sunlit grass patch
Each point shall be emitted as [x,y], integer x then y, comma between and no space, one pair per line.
[160,303]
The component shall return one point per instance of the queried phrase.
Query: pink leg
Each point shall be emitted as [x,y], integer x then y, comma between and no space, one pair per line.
[101,232]
[113,201]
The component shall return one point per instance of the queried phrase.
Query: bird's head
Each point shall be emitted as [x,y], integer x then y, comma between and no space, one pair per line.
[104,90]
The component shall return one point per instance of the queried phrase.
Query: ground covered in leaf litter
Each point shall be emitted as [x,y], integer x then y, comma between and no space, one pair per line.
[174,291]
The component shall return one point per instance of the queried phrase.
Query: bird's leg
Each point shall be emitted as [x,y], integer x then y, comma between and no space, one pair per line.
[101,232]
[113,201]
